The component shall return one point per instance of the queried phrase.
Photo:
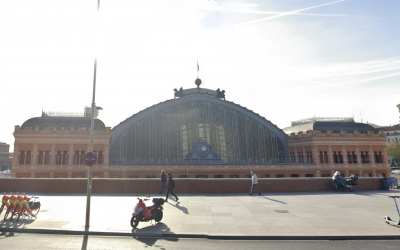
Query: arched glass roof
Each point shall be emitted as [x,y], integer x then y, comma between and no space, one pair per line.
[170,133]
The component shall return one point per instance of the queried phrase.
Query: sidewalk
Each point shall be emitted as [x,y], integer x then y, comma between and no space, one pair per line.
[342,213]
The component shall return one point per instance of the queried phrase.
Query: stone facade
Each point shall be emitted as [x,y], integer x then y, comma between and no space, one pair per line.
[56,151]
[358,153]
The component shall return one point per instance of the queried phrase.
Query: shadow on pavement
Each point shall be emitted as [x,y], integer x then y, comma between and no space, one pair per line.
[85,240]
[6,235]
[183,209]
[16,224]
[263,197]
[158,229]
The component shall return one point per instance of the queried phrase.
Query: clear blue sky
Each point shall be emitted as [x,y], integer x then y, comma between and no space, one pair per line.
[286,60]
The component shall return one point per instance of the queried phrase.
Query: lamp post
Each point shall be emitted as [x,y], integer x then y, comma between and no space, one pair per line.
[89,184]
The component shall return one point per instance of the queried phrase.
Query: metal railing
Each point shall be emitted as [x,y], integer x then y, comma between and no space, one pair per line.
[6,155]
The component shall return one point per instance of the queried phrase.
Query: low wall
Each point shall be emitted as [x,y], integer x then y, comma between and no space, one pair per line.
[182,185]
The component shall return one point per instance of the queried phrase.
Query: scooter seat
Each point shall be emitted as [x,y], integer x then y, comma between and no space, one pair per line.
[151,207]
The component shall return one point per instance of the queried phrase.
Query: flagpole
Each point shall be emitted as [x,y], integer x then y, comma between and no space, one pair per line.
[197,69]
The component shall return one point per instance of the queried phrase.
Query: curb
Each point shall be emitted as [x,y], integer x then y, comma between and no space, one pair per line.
[201,236]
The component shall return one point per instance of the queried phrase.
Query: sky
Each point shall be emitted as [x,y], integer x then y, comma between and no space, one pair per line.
[285,60]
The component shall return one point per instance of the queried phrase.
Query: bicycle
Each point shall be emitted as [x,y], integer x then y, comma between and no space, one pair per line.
[4,202]
[34,208]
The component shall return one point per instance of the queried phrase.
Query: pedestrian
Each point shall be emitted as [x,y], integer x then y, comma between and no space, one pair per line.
[254,182]
[171,186]
[163,181]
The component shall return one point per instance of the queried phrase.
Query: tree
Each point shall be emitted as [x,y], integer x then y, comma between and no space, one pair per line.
[393,150]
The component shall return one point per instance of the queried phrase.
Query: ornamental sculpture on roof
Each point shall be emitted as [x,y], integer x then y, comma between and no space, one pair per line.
[178,93]
[196,91]
[220,94]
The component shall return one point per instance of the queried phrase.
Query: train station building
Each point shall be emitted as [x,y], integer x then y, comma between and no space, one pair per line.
[198,134]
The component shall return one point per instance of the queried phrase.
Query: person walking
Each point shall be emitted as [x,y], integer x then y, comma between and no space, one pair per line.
[171,186]
[254,182]
[163,181]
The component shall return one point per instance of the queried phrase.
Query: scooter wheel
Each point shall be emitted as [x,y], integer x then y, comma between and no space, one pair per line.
[134,221]
[352,189]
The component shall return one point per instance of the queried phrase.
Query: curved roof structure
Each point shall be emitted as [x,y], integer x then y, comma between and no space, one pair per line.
[62,122]
[171,129]
[336,126]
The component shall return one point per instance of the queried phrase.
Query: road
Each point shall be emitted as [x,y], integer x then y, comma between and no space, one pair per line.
[44,241]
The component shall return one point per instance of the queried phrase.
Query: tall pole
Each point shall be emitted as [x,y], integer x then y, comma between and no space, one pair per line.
[89,184]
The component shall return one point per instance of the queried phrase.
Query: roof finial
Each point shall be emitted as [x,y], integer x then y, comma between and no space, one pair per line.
[198,81]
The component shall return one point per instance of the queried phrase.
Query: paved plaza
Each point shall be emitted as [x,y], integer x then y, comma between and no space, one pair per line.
[344,213]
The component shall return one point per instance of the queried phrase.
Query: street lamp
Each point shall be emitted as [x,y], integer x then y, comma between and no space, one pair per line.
[89,184]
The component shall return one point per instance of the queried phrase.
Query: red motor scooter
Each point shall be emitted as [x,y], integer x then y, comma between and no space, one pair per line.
[144,213]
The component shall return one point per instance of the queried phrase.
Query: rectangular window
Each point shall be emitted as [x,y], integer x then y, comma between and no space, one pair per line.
[280,176]
[65,158]
[81,157]
[309,157]
[41,157]
[265,176]
[100,156]
[354,157]
[76,158]
[47,128]
[64,128]
[183,176]
[58,158]
[218,176]
[349,157]
[309,175]
[380,157]
[234,176]
[292,157]
[294,175]
[81,128]
[326,158]
[326,175]
[150,176]
[335,157]
[201,176]
[28,157]
[321,157]
[46,157]
[367,157]
[22,158]
[340,156]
